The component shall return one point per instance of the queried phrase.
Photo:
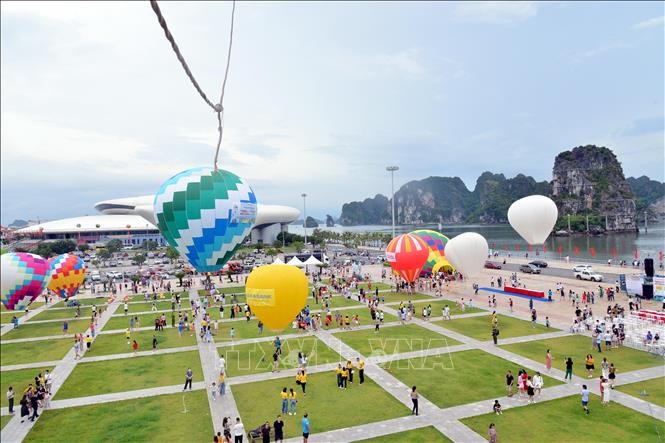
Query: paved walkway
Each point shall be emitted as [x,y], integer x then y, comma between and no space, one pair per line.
[8,327]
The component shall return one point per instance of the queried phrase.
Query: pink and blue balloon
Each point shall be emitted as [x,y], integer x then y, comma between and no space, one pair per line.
[23,278]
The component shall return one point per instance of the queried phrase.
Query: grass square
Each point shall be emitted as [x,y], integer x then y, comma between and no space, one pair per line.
[577,347]
[59,314]
[160,418]
[564,420]
[19,381]
[438,305]
[391,297]
[46,329]
[328,406]
[4,420]
[457,378]
[33,305]
[121,321]
[106,344]
[428,434]
[480,327]
[655,388]
[257,357]
[129,374]
[83,302]
[394,340]
[34,351]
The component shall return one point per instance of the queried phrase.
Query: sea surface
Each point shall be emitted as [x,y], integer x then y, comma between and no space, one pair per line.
[503,238]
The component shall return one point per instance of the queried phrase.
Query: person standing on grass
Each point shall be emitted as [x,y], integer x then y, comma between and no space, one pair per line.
[548,360]
[238,431]
[275,361]
[135,347]
[293,402]
[265,433]
[607,389]
[612,375]
[414,400]
[188,378]
[278,426]
[345,377]
[65,327]
[305,427]
[154,343]
[589,365]
[284,395]
[538,384]
[510,380]
[361,370]
[569,369]
[10,399]
[126,308]
[491,434]
[495,334]
[585,398]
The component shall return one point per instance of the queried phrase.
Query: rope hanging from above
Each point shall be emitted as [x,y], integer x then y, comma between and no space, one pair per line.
[218,107]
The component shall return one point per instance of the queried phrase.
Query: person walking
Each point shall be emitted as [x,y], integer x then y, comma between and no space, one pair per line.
[154,343]
[548,360]
[495,334]
[612,375]
[589,365]
[10,399]
[222,383]
[585,398]
[135,347]
[569,369]
[491,434]
[607,389]
[510,380]
[414,400]
[305,427]
[238,431]
[188,378]
[265,432]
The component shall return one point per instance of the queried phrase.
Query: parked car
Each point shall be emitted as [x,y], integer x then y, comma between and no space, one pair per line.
[588,275]
[580,268]
[490,265]
[530,269]
[538,263]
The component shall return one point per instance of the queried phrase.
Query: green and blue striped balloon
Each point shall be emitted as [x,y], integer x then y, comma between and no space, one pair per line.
[205,215]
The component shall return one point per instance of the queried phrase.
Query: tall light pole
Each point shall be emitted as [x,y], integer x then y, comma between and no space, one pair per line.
[304,207]
[392,170]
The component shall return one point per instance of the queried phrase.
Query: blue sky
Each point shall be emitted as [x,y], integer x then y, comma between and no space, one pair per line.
[321,96]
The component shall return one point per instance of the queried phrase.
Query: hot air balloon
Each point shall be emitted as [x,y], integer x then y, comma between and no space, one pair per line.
[436,244]
[467,252]
[407,254]
[276,294]
[23,277]
[533,218]
[205,215]
[67,275]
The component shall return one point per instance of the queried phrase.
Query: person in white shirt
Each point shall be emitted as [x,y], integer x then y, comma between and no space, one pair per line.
[238,430]
[446,313]
[222,364]
[537,383]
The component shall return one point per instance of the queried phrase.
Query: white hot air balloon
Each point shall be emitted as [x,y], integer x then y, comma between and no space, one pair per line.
[467,253]
[533,218]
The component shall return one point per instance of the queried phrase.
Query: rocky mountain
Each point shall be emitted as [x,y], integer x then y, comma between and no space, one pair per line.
[649,195]
[310,222]
[330,221]
[589,180]
[585,180]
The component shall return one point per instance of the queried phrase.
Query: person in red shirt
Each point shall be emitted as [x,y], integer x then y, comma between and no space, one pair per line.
[135,346]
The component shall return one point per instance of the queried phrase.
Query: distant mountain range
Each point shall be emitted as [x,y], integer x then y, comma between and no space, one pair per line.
[585,180]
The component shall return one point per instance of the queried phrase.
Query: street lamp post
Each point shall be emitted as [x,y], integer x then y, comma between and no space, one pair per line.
[304,222]
[646,223]
[392,170]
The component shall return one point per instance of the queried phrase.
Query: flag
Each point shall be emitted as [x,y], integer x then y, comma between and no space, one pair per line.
[544,248]
[592,250]
[660,256]
[517,247]
[528,247]
[614,251]
[636,254]
[559,249]
[577,251]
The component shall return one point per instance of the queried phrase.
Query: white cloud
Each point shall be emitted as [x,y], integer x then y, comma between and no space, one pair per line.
[602,50]
[498,12]
[651,23]
[407,63]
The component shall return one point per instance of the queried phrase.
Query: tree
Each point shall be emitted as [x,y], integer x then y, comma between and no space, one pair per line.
[172,253]
[179,275]
[44,250]
[139,259]
[104,254]
[298,246]
[83,247]
[114,245]
[63,246]
[95,263]
[150,244]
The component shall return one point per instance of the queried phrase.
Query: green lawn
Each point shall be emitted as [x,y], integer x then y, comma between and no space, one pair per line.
[458,378]
[121,321]
[394,339]
[106,344]
[18,380]
[480,327]
[438,305]
[34,351]
[84,302]
[576,346]
[33,305]
[338,301]
[130,374]
[147,307]
[328,407]
[391,297]
[7,315]
[46,329]
[564,420]
[57,314]
[654,387]
[427,434]
[4,420]
[160,418]
[381,286]
[249,329]
[257,357]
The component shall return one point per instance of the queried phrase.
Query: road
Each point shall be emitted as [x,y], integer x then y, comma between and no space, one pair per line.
[557,272]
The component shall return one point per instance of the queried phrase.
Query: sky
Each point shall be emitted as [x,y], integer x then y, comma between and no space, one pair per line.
[321,96]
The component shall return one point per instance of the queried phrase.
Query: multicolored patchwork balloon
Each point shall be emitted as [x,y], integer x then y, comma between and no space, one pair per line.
[436,244]
[67,275]
[23,277]
[205,215]
[407,254]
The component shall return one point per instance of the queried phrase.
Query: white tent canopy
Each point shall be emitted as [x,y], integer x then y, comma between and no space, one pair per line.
[277,261]
[295,262]
[312,261]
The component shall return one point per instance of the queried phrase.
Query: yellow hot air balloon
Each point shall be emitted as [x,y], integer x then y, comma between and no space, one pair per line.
[276,294]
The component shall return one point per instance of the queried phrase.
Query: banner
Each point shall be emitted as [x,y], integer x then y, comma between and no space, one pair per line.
[634,285]
[622,282]
[659,285]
